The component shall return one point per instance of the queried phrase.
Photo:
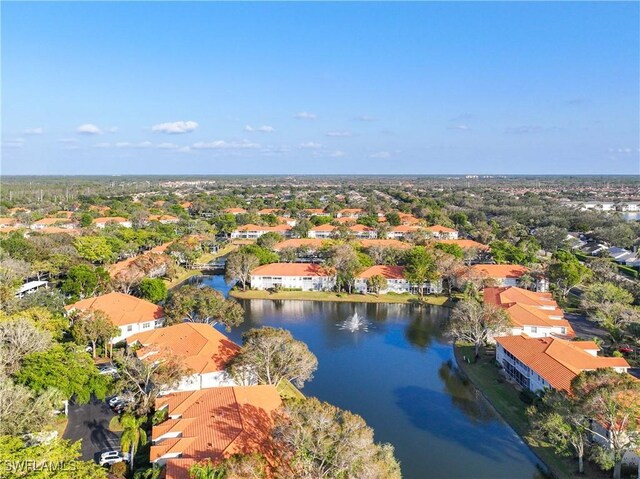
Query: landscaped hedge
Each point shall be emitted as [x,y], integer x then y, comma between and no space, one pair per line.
[628,271]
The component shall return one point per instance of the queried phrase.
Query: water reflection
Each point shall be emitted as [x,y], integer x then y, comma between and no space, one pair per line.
[397,376]
[463,396]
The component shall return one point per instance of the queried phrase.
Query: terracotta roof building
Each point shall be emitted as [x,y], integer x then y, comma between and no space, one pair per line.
[384,243]
[251,231]
[322,231]
[205,351]
[442,232]
[501,274]
[535,314]
[130,314]
[311,243]
[116,220]
[213,424]
[539,363]
[298,276]
[396,282]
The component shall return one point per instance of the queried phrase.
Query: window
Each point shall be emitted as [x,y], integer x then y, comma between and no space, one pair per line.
[563,330]
[534,329]
[129,328]
[146,325]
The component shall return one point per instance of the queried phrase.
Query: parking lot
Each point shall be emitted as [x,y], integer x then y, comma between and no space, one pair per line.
[90,423]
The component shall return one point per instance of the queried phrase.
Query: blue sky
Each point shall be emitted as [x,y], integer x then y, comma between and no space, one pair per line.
[268,88]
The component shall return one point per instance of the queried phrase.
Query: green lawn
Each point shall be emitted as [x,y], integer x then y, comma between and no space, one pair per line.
[506,401]
[288,390]
[338,297]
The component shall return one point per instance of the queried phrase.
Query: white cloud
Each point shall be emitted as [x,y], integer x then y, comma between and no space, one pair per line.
[144,144]
[305,115]
[339,134]
[380,155]
[102,145]
[68,140]
[261,129]
[112,129]
[461,127]
[310,145]
[33,131]
[175,127]
[13,143]
[622,150]
[123,144]
[167,146]
[366,118]
[224,145]
[89,129]
[337,154]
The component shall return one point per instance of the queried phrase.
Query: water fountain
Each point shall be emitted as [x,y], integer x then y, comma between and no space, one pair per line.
[355,323]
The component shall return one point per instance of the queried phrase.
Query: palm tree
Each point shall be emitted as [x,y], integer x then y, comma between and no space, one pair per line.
[133,434]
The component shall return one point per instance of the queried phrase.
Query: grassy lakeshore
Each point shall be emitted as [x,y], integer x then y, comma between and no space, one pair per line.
[338,297]
[506,401]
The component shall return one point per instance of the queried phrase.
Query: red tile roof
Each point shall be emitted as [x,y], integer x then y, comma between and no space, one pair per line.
[512,294]
[499,270]
[203,348]
[359,228]
[251,227]
[384,243]
[213,424]
[110,219]
[464,243]
[121,309]
[312,243]
[326,227]
[291,269]
[556,360]
[440,229]
[389,272]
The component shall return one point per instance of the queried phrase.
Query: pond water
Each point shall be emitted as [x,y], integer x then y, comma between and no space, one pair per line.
[398,375]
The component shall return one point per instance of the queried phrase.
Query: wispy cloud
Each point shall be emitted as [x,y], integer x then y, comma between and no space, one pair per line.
[310,145]
[104,144]
[13,143]
[339,134]
[261,129]
[33,131]
[305,115]
[380,155]
[176,127]
[167,146]
[89,129]
[460,127]
[225,145]
[366,118]
[624,150]
[337,154]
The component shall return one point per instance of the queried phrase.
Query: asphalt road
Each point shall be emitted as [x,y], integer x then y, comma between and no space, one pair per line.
[585,328]
[90,423]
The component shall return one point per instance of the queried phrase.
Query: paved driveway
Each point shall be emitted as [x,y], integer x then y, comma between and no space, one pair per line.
[585,328]
[90,423]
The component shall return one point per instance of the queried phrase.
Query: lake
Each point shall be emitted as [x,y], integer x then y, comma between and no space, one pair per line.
[398,376]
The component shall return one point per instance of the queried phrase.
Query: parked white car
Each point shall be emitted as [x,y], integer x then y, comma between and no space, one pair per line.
[107,369]
[111,457]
